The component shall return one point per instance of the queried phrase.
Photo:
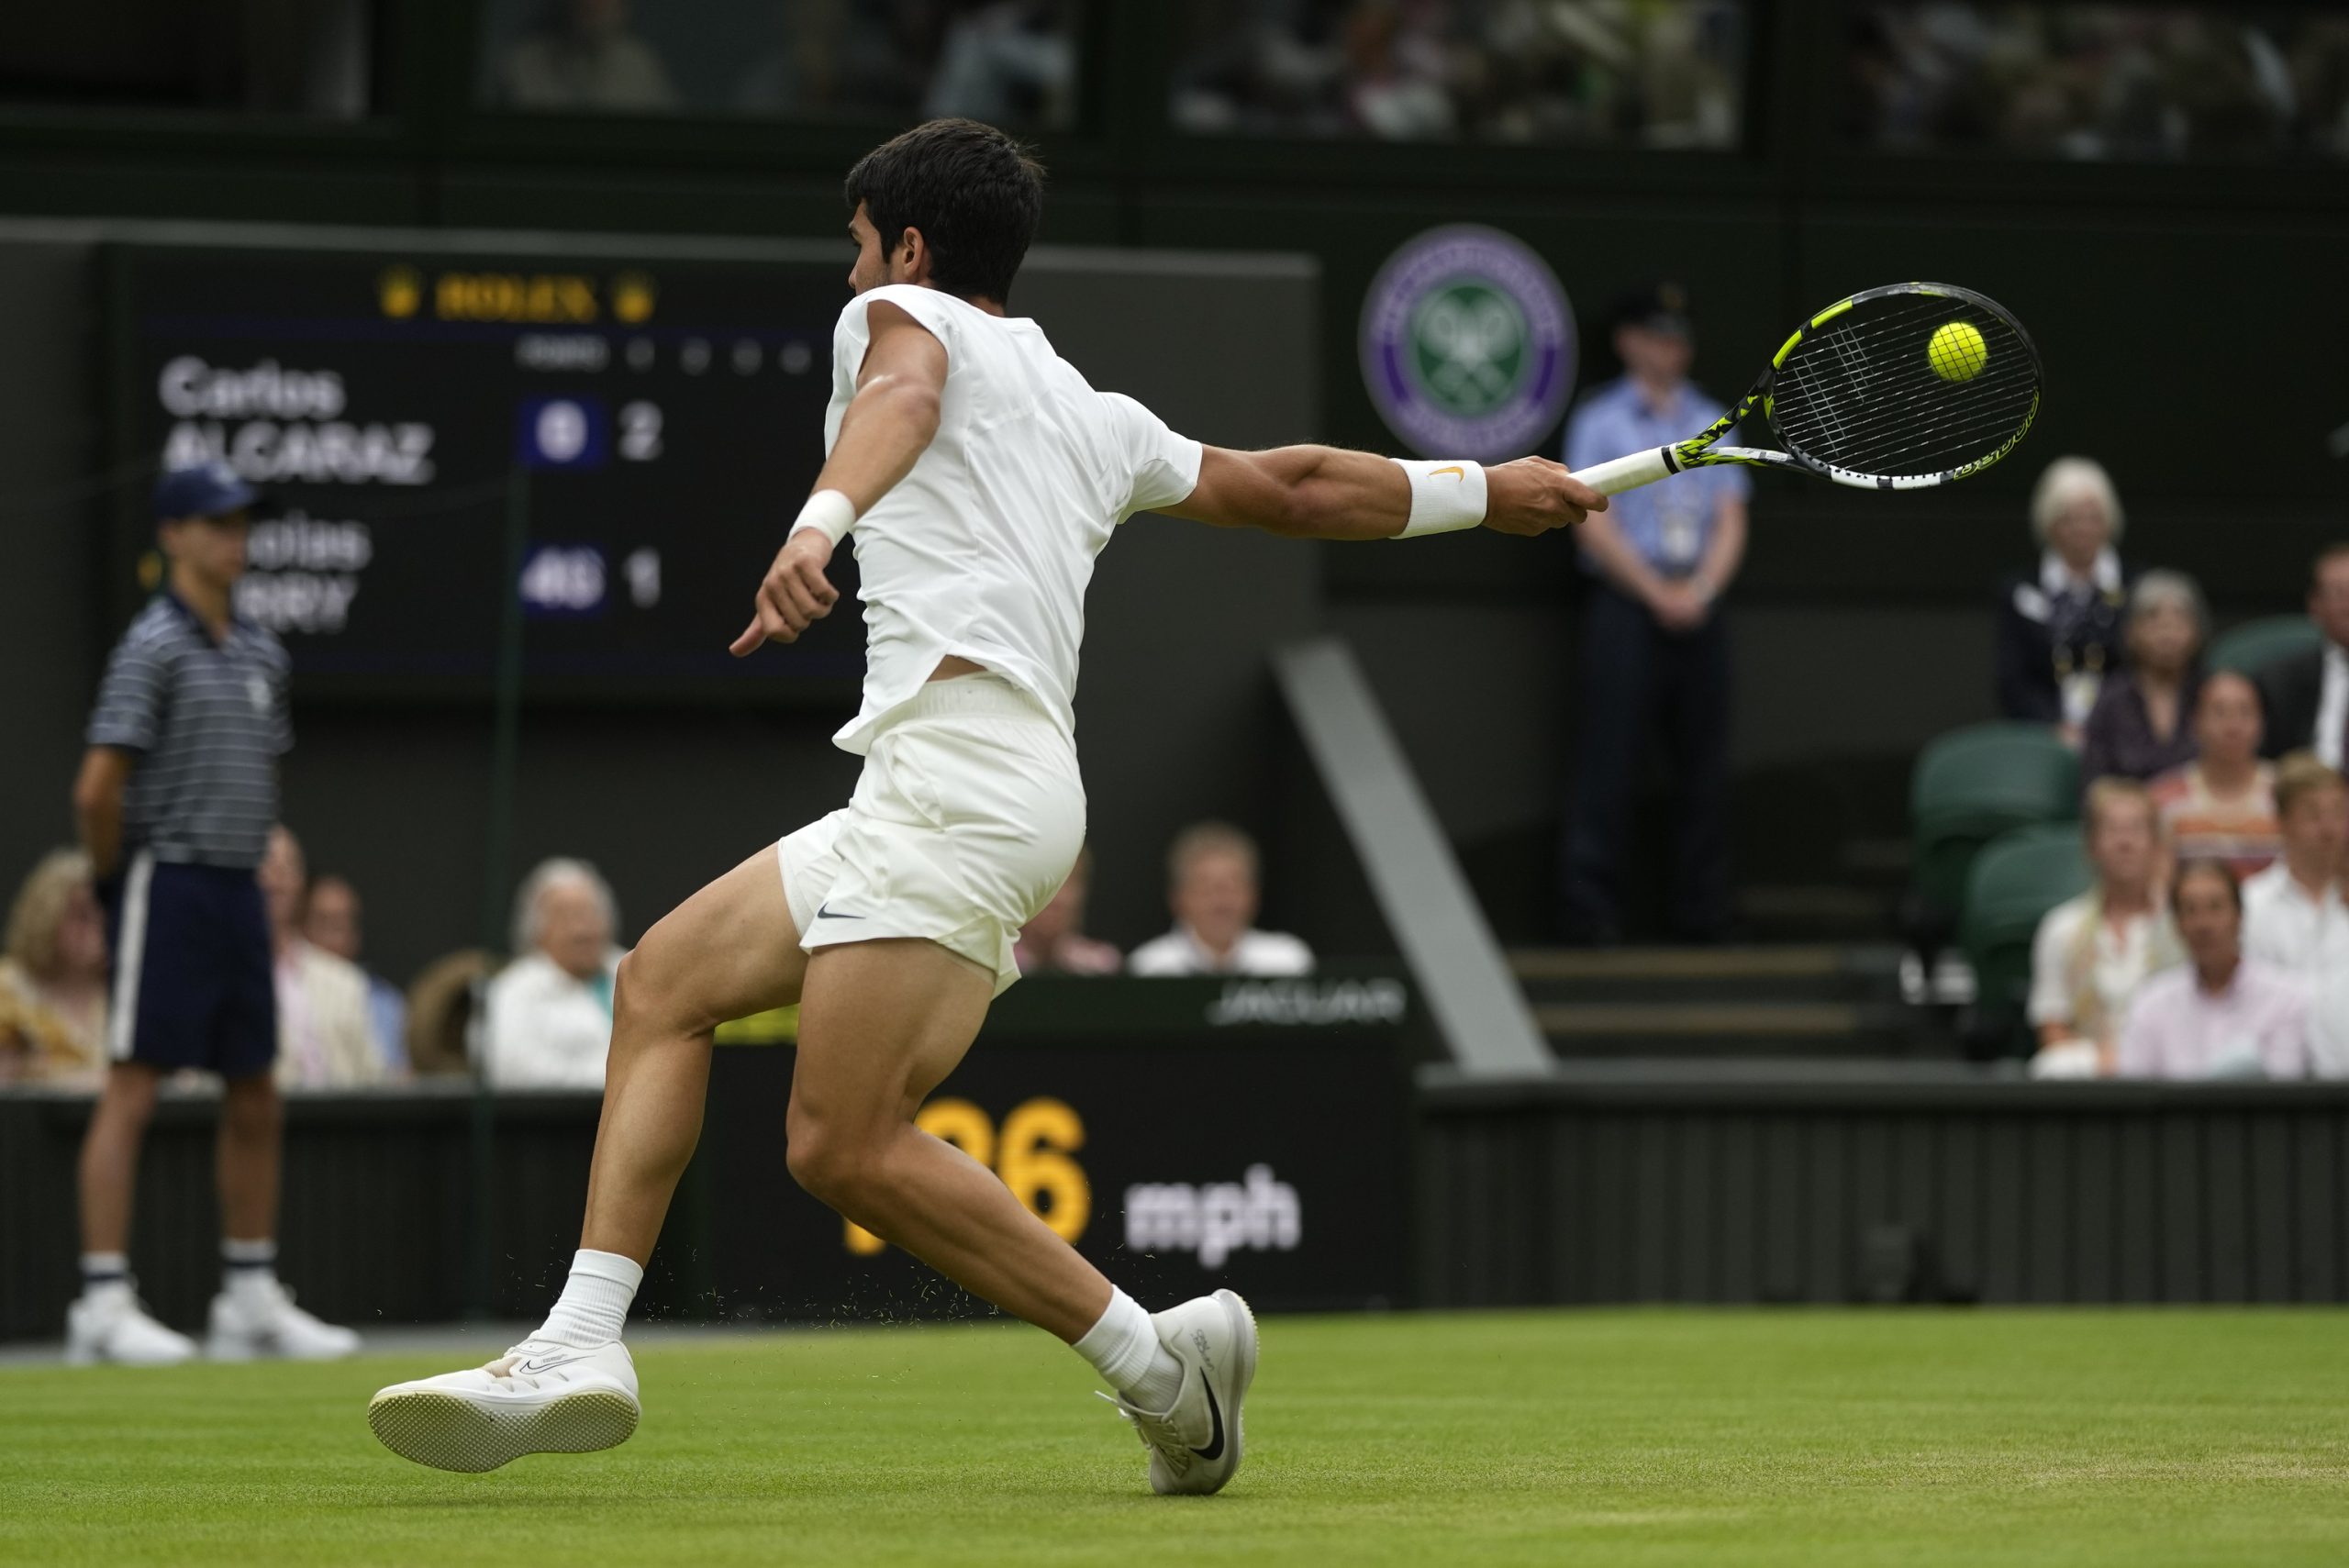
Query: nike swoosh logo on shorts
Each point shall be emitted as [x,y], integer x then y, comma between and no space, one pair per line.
[1214,1451]
[823,913]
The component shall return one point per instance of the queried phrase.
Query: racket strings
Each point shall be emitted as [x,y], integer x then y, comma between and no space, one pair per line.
[1910,412]
[1922,444]
[1883,390]
[1934,436]
[1917,426]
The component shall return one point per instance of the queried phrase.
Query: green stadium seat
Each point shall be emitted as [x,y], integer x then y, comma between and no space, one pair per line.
[2014,881]
[2253,646]
[1973,784]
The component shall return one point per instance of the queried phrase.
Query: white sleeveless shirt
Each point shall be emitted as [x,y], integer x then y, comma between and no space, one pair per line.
[984,550]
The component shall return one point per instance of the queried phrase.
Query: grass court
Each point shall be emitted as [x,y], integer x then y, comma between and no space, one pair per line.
[1657,1438]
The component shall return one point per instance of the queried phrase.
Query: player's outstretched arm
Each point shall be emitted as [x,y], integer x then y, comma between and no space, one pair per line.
[888,425]
[1328,493]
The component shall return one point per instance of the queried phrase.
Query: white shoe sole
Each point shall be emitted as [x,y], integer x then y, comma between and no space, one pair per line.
[448,1431]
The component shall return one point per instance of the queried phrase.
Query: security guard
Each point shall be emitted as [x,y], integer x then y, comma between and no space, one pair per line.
[1655,652]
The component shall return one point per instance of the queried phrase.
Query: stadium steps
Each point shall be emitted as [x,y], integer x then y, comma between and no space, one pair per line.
[1802,1001]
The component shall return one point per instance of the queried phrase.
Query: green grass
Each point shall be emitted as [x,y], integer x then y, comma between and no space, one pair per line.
[2132,1439]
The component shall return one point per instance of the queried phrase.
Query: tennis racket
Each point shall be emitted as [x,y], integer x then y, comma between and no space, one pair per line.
[1896,388]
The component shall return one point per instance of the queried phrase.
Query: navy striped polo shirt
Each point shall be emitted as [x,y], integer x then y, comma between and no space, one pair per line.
[208,721]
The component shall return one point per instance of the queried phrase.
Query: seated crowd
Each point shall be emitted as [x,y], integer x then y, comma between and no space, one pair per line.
[2215,941]
[2173,965]
[544,1016]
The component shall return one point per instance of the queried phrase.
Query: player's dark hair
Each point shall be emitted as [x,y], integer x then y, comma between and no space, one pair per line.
[975,193]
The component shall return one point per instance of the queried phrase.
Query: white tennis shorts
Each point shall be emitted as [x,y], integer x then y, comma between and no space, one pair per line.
[966,821]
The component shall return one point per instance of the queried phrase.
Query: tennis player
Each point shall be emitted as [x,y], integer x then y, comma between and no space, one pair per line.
[981,474]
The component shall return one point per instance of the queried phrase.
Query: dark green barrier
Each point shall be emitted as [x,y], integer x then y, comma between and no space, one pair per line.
[1627,1182]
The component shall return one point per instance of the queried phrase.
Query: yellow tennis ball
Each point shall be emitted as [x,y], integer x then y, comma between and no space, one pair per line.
[1957,351]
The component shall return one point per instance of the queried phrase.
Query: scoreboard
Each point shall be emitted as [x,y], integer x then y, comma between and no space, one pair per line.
[617,445]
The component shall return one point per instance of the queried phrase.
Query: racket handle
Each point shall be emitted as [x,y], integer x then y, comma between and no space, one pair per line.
[1629,473]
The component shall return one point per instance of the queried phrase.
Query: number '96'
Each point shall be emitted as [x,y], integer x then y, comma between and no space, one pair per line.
[1032,1152]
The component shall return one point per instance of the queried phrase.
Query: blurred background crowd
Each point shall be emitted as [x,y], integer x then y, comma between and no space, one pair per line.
[2142,82]
[2117,81]
[538,1014]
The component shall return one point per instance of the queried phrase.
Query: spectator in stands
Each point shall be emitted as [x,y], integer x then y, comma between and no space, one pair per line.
[1396,68]
[1662,75]
[324,1040]
[332,924]
[1054,943]
[2059,630]
[2329,1027]
[1655,648]
[2307,696]
[2141,723]
[832,58]
[1212,877]
[581,55]
[1008,62]
[2222,806]
[2093,952]
[550,1010]
[2220,1015]
[54,977]
[2292,912]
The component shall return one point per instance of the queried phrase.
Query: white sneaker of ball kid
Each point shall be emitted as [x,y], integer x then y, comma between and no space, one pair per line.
[257,1320]
[1195,1444]
[539,1398]
[108,1324]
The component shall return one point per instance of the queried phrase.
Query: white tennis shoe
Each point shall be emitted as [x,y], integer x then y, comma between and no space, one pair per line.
[108,1324]
[261,1322]
[539,1398]
[1195,1444]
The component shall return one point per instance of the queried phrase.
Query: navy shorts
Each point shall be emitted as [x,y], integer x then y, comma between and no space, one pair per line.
[193,977]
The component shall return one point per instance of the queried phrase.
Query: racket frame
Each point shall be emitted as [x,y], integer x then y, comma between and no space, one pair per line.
[1699,450]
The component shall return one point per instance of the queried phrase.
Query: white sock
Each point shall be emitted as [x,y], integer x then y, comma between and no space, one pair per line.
[1124,1349]
[104,1273]
[594,1305]
[247,1267]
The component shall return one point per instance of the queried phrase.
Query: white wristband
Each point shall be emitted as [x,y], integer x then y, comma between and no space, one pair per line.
[829,513]
[1446,495]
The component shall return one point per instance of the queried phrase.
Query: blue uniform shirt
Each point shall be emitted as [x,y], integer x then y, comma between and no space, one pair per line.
[209,721]
[1670,523]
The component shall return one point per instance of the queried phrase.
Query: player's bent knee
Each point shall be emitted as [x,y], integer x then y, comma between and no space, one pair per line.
[837,1171]
[649,998]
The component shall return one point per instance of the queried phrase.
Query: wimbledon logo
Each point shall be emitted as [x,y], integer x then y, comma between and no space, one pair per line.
[1468,344]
